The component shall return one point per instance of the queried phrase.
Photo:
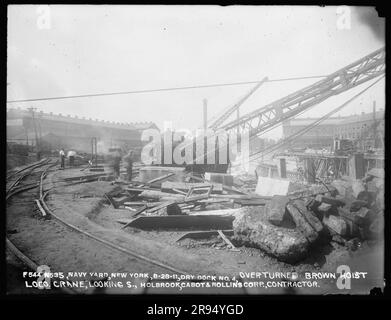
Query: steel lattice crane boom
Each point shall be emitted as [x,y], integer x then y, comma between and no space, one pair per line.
[365,69]
[231,109]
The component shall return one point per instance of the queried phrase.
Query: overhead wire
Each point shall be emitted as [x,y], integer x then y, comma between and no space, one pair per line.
[91,95]
[297,134]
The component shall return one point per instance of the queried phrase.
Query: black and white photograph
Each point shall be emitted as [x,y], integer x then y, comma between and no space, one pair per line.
[195,150]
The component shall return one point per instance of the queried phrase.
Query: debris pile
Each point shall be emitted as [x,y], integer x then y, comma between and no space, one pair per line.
[286,225]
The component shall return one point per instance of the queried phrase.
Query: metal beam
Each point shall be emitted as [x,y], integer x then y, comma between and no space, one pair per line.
[226,113]
[365,69]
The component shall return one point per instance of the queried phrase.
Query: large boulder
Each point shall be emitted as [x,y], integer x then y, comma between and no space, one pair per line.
[252,228]
[276,211]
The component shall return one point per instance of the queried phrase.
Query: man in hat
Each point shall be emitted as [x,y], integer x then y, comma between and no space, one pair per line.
[62,158]
[129,164]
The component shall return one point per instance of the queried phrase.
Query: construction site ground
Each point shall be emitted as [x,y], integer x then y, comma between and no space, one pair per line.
[42,238]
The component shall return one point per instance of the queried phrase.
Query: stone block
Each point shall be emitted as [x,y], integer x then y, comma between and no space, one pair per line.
[302,224]
[336,224]
[271,186]
[222,178]
[330,200]
[276,210]
[253,230]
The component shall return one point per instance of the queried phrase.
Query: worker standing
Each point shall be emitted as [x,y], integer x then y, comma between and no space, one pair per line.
[116,163]
[71,157]
[129,164]
[62,158]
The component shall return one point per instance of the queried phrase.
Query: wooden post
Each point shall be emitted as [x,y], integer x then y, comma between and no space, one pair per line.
[283,168]
[310,170]
[357,166]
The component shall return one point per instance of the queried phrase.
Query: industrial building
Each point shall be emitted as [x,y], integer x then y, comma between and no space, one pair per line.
[361,128]
[56,131]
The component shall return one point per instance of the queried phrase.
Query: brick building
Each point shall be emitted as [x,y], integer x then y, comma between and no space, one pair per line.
[57,130]
[360,128]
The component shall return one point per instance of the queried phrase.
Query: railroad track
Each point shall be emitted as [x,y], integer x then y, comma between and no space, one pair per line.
[12,189]
[44,166]
[15,188]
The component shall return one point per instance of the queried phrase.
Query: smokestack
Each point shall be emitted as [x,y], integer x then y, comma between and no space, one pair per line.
[205,114]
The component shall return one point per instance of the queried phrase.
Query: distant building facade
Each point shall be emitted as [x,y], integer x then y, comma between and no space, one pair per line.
[56,130]
[366,129]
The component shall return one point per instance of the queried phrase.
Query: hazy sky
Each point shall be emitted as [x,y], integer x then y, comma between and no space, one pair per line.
[97,49]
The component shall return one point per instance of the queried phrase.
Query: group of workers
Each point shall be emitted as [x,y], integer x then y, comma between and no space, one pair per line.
[116,158]
[71,157]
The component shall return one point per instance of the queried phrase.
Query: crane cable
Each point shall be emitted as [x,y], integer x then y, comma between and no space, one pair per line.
[259,154]
[160,89]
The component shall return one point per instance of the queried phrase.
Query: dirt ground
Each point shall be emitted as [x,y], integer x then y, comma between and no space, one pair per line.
[53,244]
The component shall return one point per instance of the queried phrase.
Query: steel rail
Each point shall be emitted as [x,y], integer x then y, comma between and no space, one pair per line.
[9,244]
[43,207]
[100,240]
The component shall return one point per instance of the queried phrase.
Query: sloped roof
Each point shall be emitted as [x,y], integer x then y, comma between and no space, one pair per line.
[20,113]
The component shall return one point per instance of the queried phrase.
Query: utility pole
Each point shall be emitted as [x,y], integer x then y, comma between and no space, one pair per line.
[205,114]
[37,147]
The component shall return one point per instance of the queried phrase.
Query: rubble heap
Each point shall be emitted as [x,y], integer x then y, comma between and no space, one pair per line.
[285,226]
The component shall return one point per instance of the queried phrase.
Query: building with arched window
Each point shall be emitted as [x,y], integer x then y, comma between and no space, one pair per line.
[367,129]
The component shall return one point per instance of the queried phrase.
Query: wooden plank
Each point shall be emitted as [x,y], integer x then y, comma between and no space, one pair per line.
[202,234]
[240,196]
[140,189]
[112,202]
[179,191]
[169,185]
[141,203]
[195,222]
[213,200]
[230,244]
[251,202]
[162,206]
[161,177]
[134,215]
[86,176]
[219,212]
[155,194]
